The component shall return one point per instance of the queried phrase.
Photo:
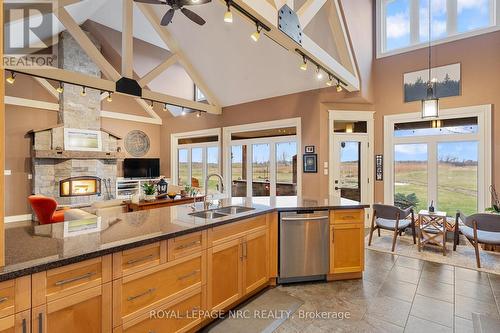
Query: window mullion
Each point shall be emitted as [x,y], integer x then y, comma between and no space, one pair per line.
[452,13]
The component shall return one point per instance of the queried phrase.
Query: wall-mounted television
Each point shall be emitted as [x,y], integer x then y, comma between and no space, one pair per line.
[141,168]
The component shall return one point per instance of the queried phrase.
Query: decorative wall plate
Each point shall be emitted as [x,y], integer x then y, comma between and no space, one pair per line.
[137,143]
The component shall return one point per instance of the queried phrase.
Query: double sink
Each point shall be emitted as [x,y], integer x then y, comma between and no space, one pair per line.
[221,212]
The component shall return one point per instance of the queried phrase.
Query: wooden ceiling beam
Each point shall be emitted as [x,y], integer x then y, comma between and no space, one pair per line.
[173,46]
[308,10]
[169,61]
[86,44]
[47,86]
[127,39]
[177,101]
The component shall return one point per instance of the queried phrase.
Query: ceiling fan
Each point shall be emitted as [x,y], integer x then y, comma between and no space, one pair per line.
[178,4]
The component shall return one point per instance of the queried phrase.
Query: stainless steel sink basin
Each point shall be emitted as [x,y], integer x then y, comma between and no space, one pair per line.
[207,214]
[232,210]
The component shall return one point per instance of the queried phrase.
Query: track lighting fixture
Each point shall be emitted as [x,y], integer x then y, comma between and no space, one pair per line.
[256,35]
[183,112]
[84,91]
[165,108]
[330,81]
[198,115]
[110,97]
[228,16]
[152,104]
[60,89]
[319,73]
[339,87]
[12,78]
[303,65]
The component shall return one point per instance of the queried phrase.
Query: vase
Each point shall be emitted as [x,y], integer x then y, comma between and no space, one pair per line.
[150,197]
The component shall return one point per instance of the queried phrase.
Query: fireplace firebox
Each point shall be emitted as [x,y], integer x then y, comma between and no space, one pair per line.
[80,186]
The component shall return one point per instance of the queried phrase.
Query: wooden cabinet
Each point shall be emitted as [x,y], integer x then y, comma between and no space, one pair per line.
[347,243]
[237,267]
[179,315]
[139,258]
[83,312]
[225,269]
[18,323]
[182,246]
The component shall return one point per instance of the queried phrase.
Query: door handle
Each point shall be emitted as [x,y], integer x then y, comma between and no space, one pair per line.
[24,325]
[304,218]
[245,249]
[40,323]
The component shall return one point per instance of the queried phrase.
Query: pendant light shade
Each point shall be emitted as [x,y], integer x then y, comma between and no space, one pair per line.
[430,108]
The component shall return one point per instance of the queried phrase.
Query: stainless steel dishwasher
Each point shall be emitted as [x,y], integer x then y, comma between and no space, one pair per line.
[304,251]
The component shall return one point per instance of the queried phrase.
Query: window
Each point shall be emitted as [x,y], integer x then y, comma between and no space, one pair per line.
[445,161]
[403,25]
[195,155]
[262,158]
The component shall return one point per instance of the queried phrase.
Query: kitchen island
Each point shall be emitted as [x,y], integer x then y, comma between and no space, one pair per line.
[110,272]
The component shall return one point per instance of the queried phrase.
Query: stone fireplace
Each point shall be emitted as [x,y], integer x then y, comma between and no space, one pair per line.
[75,177]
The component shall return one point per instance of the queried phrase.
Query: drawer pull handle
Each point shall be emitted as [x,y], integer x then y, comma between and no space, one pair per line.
[147,292]
[188,245]
[40,322]
[135,261]
[193,273]
[3,299]
[24,325]
[348,217]
[77,278]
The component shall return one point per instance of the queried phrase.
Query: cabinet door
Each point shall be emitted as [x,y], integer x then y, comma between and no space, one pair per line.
[225,262]
[256,260]
[18,323]
[347,255]
[84,312]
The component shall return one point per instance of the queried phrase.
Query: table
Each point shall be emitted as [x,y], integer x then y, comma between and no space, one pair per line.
[159,203]
[431,229]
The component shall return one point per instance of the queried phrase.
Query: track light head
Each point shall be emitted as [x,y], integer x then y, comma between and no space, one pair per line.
[339,87]
[303,65]
[228,16]
[12,78]
[84,91]
[330,81]
[110,97]
[198,115]
[256,35]
[319,73]
[165,107]
[183,112]
[152,104]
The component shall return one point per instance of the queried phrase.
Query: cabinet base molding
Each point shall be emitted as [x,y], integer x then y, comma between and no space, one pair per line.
[344,276]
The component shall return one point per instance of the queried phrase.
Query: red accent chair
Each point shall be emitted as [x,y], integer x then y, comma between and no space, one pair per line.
[45,209]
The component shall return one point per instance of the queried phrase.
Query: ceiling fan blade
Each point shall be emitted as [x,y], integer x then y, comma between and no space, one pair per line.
[193,2]
[193,16]
[167,18]
[153,2]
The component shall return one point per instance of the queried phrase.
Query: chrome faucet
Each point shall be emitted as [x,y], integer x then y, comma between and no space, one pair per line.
[206,204]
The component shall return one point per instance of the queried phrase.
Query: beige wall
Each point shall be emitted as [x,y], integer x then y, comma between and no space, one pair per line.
[480,59]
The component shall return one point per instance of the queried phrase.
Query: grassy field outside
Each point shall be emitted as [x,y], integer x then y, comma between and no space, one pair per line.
[457,185]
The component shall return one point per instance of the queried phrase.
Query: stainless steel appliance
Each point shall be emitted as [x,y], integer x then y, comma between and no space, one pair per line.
[304,252]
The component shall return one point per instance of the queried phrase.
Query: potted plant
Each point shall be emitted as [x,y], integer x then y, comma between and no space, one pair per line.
[149,190]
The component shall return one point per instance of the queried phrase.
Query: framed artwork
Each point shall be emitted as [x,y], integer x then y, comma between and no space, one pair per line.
[82,140]
[310,149]
[310,163]
[447,82]
[379,167]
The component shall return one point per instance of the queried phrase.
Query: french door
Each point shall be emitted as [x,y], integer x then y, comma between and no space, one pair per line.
[264,167]
[350,172]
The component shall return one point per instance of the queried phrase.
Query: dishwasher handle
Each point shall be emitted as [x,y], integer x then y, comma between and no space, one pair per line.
[314,218]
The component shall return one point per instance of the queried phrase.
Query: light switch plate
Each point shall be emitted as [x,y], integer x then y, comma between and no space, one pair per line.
[325,172]
[30,176]
[325,164]
[7,172]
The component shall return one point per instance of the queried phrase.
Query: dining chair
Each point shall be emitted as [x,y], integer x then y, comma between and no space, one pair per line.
[394,219]
[481,228]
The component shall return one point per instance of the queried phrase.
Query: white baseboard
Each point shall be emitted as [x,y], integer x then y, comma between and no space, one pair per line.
[17,218]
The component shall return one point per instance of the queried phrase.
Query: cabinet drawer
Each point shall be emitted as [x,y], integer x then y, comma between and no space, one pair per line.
[15,296]
[176,316]
[236,230]
[347,216]
[138,259]
[64,281]
[144,290]
[182,246]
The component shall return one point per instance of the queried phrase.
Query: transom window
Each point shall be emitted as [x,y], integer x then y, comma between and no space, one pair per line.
[403,25]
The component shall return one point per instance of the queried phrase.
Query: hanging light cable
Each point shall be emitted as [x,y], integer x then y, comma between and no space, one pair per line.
[430,105]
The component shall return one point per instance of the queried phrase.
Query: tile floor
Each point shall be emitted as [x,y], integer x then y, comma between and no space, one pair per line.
[398,294]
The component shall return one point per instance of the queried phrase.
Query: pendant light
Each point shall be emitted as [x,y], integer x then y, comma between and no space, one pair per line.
[430,105]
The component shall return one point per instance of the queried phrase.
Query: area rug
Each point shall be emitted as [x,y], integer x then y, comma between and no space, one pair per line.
[261,314]
[464,256]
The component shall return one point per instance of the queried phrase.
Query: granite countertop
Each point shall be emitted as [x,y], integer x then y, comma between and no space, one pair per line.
[33,249]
